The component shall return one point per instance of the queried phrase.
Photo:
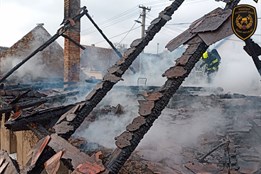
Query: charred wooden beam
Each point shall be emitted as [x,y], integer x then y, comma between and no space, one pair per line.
[107,40]
[73,41]
[46,117]
[202,159]
[103,35]
[60,96]
[67,127]
[253,50]
[37,102]
[231,4]
[18,92]
[19,97]
[23,105]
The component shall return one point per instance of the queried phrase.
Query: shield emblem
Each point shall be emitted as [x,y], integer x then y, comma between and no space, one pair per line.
[244,21]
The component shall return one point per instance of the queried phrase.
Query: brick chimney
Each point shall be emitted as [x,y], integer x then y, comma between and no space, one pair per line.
[71,51]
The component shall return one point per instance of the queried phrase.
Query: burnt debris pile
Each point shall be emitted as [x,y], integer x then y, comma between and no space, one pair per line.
[50,126]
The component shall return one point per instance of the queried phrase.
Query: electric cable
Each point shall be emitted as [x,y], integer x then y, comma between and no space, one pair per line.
[117,35]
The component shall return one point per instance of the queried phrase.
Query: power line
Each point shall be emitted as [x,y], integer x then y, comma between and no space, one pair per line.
[128,14]
[116,19]
[129,30]
[181,23]
[160,5]
[118,35]
[93,30]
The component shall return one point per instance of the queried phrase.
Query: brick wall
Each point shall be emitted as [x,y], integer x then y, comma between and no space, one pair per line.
[71,51]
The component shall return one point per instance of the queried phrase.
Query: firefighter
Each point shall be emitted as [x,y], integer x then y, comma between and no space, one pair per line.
[211,60]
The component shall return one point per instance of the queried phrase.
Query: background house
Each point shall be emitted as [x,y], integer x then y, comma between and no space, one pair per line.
[45,64]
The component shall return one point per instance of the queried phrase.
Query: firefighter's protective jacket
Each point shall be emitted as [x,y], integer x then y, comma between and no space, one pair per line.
[211,60]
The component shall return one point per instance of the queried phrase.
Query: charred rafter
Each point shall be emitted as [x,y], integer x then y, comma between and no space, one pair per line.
[46,117]
[36,102]
[253,50]
[17,93]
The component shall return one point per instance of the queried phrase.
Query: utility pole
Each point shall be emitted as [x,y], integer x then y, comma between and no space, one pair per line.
[143,15]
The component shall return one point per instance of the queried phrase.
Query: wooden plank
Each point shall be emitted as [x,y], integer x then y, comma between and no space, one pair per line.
[25,141]
[5,136]
[71,153]
[8,167]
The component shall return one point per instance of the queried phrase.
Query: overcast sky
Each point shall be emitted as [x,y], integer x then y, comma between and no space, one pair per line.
[115,17]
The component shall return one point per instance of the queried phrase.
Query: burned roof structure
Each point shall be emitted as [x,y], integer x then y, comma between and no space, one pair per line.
[55,125]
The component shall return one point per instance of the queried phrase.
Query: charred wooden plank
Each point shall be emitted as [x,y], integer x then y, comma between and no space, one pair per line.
[224,31]
[17,93]
[212,21]
[72,156]
[94,91]
[37,102]
[19,97]
[46,117]
[181,39]
[216,21]
[114,69]
[23,105]
[253,50]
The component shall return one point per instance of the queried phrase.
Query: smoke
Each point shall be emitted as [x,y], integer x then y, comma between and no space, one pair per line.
[150,68]
[107,126]
[30,71]
[44,64]
[237,72]
[177,129]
